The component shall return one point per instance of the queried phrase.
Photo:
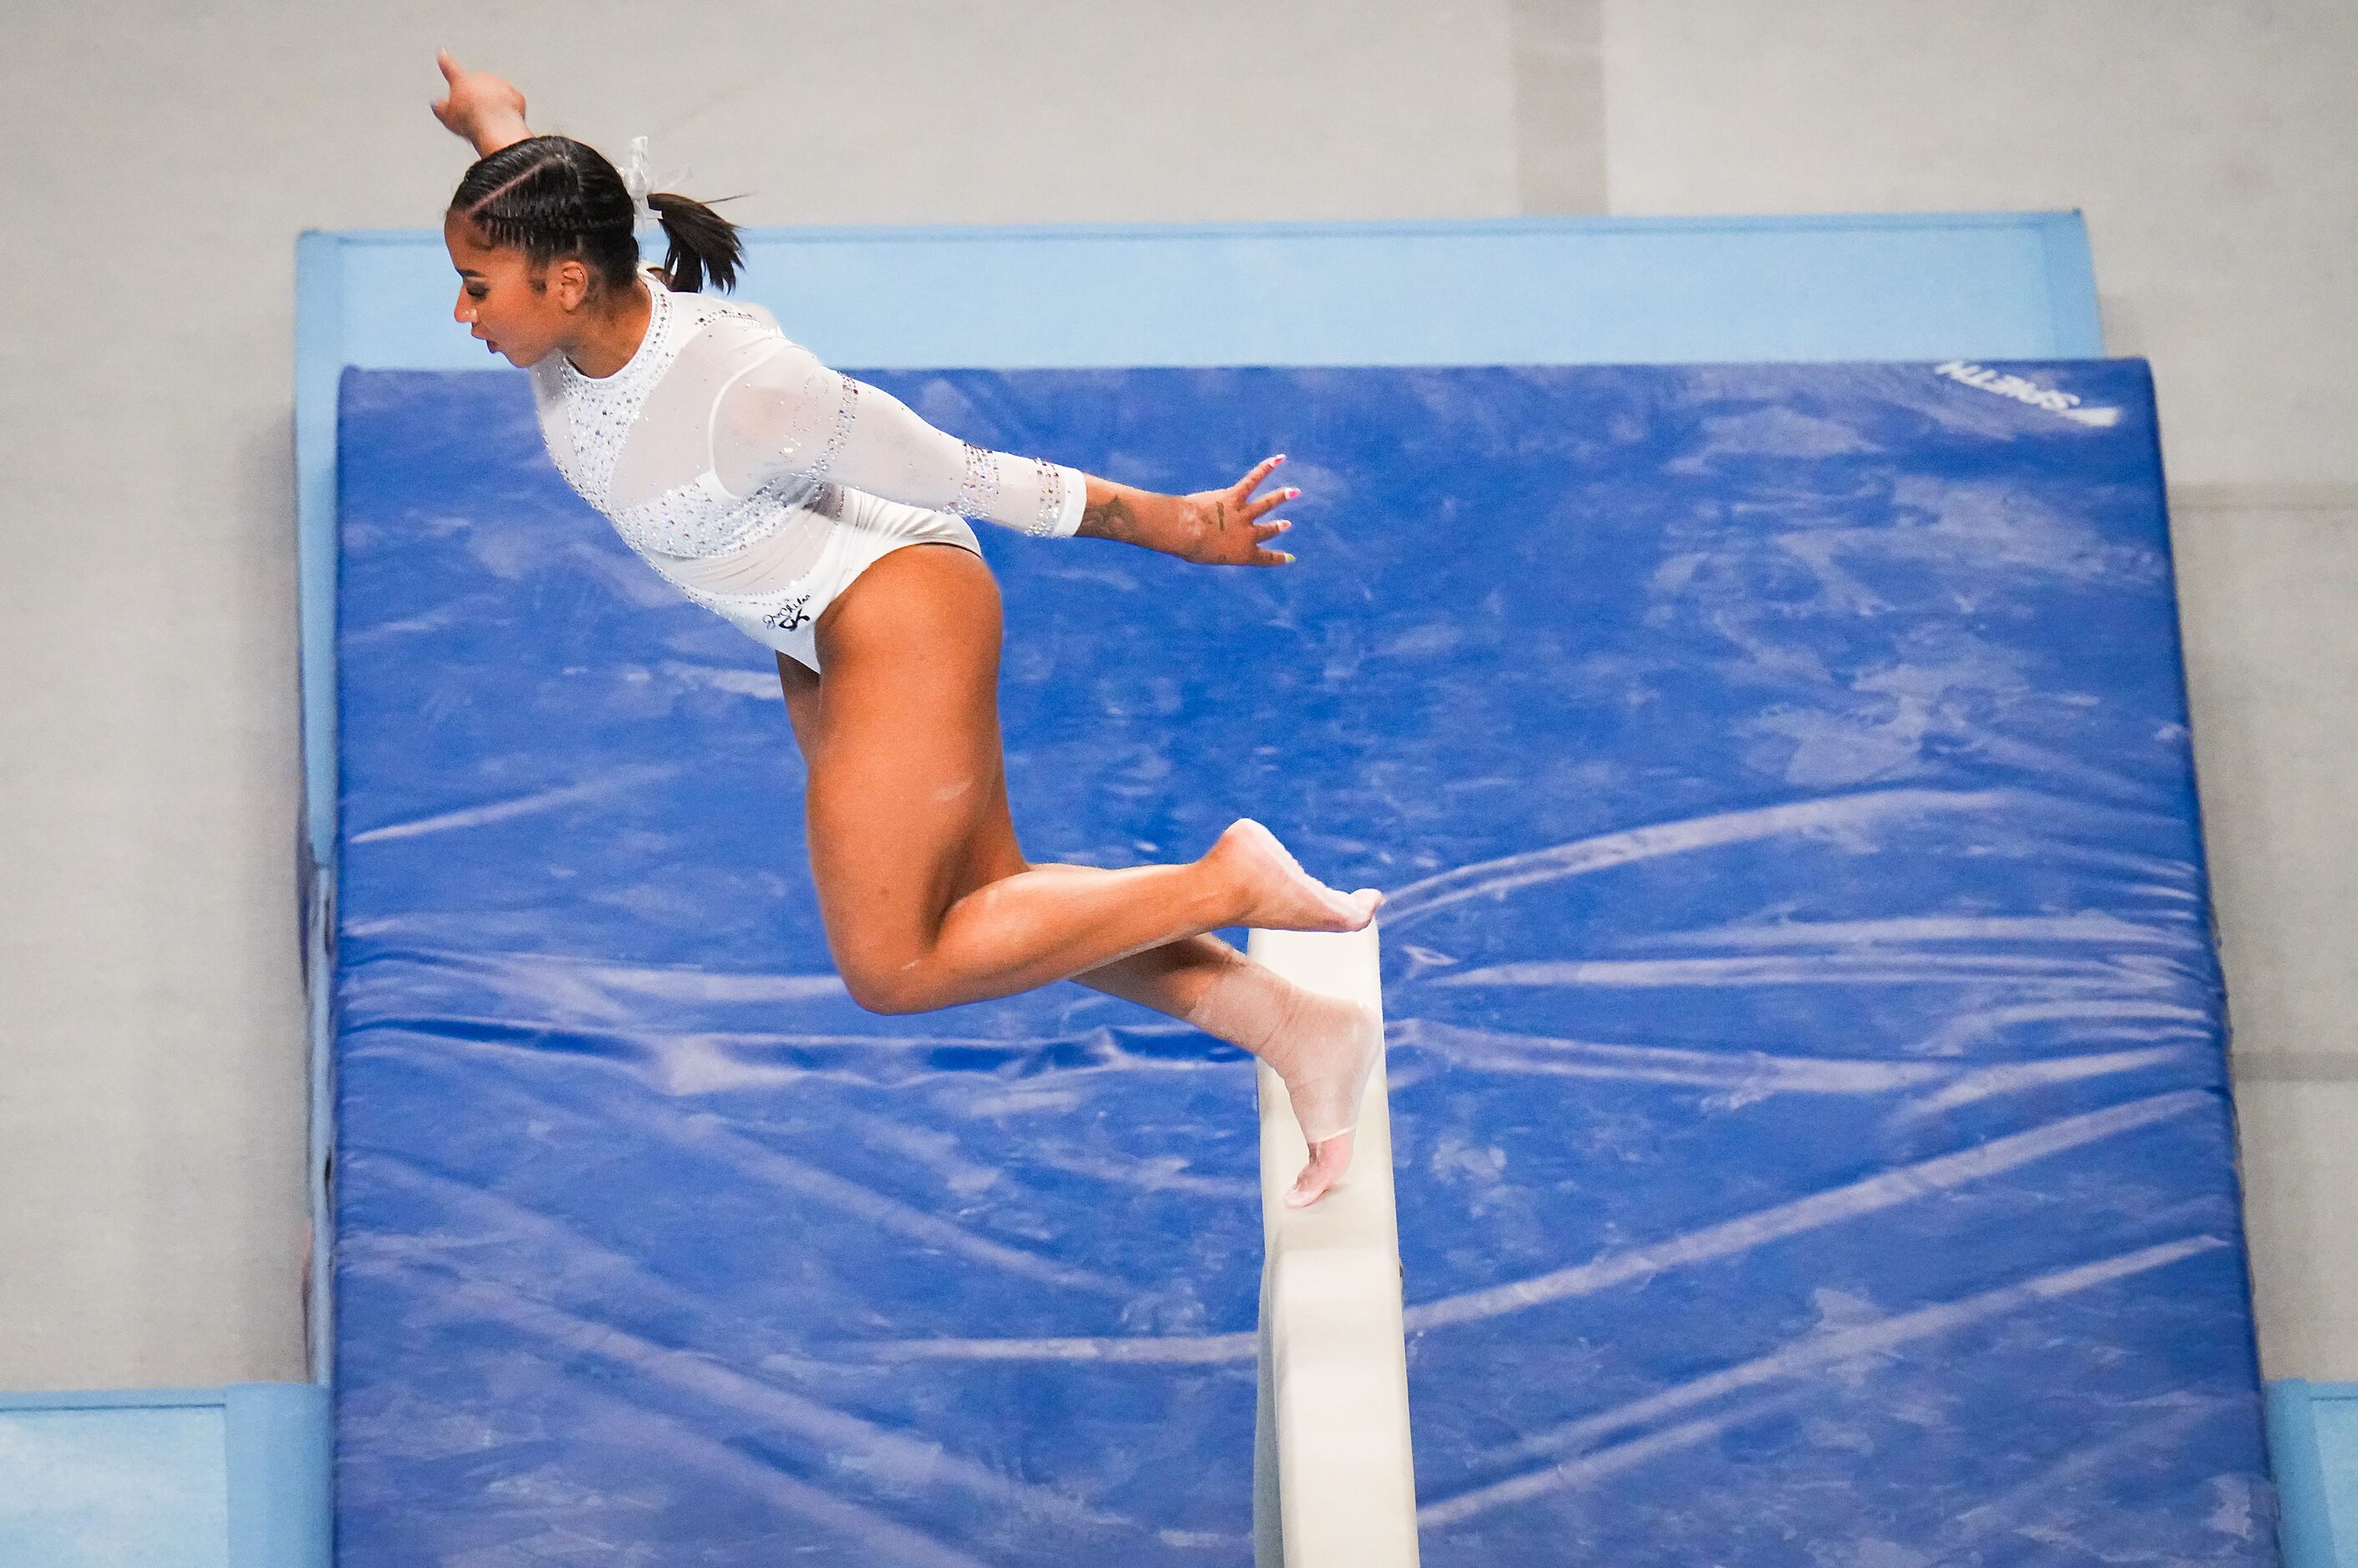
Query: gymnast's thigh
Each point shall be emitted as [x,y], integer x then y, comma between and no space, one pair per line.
[906,789]
[997,852]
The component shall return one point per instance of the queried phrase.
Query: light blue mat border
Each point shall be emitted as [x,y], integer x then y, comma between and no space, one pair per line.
[1545,291]
[276,1440]
[2313,1450]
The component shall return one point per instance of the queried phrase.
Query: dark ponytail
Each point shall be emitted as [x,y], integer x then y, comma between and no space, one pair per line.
[552,197]
[703,245]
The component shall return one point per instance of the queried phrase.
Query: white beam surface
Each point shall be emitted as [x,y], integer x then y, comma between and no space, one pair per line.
[1334,1476]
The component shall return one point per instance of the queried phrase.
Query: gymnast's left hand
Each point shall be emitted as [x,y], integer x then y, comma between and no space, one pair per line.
[1229,528]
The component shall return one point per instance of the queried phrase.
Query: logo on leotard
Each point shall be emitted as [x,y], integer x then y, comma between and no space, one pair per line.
[789,616]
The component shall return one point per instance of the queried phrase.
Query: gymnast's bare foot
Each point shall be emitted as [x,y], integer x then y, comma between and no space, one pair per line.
[1325,1049]
[1277,895]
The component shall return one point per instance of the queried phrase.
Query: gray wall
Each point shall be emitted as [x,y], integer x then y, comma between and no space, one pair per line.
[151,1036]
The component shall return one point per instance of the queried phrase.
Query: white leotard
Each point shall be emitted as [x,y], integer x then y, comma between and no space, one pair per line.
[759,483]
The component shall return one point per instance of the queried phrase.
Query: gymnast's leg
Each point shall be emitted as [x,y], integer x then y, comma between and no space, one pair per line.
[1322,1046]
[928,902]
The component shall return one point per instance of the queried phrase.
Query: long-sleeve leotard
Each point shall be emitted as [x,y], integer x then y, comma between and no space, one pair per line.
[786,413]
[722,453]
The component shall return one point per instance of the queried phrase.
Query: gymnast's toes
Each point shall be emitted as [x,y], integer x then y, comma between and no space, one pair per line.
[1329,1157]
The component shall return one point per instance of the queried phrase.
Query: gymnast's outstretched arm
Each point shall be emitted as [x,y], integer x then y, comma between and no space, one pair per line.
[787,413]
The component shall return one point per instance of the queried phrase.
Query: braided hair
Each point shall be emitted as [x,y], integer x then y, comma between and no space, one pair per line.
[552,197]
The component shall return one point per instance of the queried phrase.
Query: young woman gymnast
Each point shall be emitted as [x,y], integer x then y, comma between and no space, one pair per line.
[824,519]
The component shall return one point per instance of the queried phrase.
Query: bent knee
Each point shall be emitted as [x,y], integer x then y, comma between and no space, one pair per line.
[890,991]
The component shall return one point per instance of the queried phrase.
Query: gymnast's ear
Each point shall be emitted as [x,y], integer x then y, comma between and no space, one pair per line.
[569,282]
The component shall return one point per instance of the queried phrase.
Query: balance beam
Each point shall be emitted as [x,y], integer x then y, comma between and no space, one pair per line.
[1334,1475]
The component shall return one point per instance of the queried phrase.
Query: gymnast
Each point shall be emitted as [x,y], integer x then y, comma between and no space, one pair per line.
[824,519]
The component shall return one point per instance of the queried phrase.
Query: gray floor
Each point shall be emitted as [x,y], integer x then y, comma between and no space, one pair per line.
[151,1077]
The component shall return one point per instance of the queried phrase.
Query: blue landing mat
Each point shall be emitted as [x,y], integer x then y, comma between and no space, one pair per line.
[1813,1135]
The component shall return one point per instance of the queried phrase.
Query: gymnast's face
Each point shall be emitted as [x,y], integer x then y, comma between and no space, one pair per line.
[522,312]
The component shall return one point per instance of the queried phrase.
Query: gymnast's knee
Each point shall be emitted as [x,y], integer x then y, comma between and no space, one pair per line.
[891,990]
[899,983]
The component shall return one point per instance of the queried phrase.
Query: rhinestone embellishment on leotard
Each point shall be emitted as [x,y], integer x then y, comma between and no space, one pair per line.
[978,492]
[844,413]
[601,410]
[1052,501]
[700,519]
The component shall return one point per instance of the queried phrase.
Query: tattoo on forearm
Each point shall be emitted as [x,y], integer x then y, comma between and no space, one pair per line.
[1112,518]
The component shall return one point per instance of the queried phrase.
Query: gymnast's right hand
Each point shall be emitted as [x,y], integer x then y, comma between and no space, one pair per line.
[1229,528]
[483,109]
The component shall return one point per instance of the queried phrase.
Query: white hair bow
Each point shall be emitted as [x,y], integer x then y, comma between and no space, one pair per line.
[639,182]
